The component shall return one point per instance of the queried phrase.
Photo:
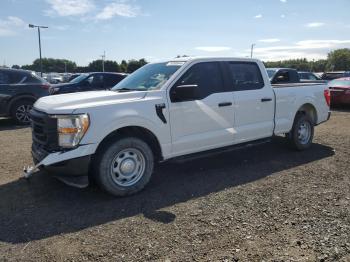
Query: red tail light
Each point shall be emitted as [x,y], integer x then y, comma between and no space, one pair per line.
[327,96]
[45,86]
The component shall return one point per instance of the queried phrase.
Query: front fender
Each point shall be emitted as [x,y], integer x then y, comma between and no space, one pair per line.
[98,131]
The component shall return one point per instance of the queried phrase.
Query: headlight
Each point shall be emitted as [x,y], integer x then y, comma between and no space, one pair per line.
[71,129]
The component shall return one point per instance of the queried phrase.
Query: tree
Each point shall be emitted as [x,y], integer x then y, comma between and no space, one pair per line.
[339,59]
[133,65]
[52,65]
[110,66]
[124,66]
[319,65]
[16,67]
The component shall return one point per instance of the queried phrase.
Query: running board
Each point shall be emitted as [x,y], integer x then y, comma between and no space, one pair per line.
[222,150]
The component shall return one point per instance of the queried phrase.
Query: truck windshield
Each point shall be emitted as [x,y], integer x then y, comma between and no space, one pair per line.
[148,77]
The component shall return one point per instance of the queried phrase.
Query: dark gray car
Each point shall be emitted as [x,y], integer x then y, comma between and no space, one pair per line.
[19,89]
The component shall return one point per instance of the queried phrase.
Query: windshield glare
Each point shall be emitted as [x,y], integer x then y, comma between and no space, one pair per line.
[148,77]
[79,78]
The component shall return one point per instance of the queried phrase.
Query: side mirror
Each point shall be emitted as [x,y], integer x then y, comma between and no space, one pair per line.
[185,93]
[279,79]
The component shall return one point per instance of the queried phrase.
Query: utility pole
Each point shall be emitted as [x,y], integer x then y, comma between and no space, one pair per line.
[103,60]
[41,63]
[251,50]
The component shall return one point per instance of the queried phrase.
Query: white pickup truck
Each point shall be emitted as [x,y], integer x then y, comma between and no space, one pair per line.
[167,110]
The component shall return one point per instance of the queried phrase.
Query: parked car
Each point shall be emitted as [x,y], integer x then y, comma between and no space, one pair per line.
[308,76]
[340,91]
[88,82]
[54,78]
[287,76]
[73,76]
[328,76]
[19,89]
[166,110]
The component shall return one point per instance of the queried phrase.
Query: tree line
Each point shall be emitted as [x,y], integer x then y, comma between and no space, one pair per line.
[64,65]
[336,60]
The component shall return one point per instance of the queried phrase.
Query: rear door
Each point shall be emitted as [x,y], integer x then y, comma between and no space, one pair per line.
[253,101]
[206,122]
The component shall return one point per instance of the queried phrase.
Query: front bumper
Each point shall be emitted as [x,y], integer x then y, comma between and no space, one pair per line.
[71,167]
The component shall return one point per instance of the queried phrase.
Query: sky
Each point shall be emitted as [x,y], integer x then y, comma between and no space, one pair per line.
[81,30]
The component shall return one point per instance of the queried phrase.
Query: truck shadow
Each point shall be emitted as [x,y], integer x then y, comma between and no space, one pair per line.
[9,124]
[43,207]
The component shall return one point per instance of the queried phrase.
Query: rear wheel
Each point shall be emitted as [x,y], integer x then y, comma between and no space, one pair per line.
[20,111]
[302,133]
[124,167]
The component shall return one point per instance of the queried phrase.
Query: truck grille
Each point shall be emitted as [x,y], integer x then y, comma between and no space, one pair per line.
[44,131]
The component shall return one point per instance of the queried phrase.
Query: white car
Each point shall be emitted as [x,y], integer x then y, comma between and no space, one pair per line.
[166,110]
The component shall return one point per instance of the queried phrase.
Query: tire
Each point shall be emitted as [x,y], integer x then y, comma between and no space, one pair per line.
[19,111]
[302,133]
[124,167]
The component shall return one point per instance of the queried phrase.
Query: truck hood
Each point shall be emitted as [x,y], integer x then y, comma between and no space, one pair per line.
[68,103]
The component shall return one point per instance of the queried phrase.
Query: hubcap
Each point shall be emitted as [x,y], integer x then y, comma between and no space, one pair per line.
[304,132]
[22,113]
[128,167]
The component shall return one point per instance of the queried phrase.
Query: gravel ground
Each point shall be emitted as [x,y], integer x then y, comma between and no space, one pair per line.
[266,203]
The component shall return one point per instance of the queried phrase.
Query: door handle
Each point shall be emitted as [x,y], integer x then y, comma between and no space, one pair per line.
[225,104]
[266,99]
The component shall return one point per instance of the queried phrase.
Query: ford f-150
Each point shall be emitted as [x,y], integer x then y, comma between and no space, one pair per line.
[166,110]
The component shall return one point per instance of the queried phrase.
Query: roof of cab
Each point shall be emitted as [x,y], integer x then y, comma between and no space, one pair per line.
[209,58]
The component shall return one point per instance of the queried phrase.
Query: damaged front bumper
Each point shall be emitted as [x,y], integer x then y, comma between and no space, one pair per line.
[71,166]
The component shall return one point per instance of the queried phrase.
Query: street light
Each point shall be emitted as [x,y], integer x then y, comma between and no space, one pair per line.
[251,50]
[39,26]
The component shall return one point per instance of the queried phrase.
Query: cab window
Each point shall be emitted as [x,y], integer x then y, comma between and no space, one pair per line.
[245,76]
[207,76]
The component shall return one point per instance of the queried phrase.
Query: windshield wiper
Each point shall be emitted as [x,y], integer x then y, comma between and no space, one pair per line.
[125,89]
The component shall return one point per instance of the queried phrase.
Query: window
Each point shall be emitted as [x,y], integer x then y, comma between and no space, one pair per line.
[17,77]
[207,76]
[32,79]
[245,76]
[307,76]
[95,81]
[4,78]
[112,80]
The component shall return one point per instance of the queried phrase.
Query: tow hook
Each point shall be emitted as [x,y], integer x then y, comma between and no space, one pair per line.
[30,170]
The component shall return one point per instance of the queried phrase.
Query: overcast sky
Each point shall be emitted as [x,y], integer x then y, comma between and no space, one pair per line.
[80,30]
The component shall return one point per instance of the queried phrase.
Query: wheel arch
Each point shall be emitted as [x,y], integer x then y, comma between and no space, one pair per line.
[309,110]
[134,131]
[18,98]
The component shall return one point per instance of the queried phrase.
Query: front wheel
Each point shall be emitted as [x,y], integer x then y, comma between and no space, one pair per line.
[124,167]
[302,133]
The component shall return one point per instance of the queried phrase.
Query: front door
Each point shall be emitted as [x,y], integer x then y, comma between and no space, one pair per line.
[206,122]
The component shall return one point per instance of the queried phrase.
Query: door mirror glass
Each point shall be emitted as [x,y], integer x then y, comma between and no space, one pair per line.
[282,77]
[185,93]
